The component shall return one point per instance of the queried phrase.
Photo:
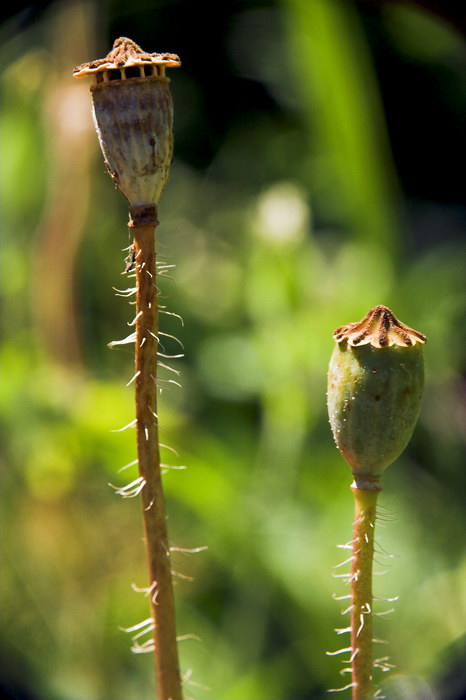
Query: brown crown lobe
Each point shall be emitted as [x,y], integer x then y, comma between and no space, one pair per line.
[125,54]
[379,328]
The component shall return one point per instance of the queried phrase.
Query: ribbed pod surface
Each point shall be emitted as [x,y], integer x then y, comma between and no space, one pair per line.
[375,382]
[134,123]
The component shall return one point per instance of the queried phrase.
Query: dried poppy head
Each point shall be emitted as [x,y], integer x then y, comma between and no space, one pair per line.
[133,114]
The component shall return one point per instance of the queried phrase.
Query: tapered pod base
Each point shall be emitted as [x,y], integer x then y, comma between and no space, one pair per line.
[365,501]
[153,507]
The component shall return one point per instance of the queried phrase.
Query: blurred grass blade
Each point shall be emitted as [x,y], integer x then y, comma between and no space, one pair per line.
[345,118]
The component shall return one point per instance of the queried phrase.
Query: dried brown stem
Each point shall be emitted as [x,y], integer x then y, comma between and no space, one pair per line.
[153,506]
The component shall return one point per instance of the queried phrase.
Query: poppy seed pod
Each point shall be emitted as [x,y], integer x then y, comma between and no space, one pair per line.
[375,383]
[133,114]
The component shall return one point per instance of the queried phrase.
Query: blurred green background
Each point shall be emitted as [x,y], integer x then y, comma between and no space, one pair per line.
[317,173]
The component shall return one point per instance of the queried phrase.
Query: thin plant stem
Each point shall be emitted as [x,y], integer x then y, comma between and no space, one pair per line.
[153,506]
[365,501]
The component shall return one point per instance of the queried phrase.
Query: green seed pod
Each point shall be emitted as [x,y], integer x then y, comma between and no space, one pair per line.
[375,383]
[133,114]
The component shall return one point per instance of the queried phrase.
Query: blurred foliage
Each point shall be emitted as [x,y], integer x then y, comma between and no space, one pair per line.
[310,183]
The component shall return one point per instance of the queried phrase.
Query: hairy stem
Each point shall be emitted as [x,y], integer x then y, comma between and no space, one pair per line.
[365,500]
[153,506]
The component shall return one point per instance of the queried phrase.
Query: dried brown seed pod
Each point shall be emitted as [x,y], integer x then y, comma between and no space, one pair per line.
[133,114]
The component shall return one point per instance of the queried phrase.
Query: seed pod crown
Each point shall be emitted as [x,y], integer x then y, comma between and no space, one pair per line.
[124,56]
[379,328]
